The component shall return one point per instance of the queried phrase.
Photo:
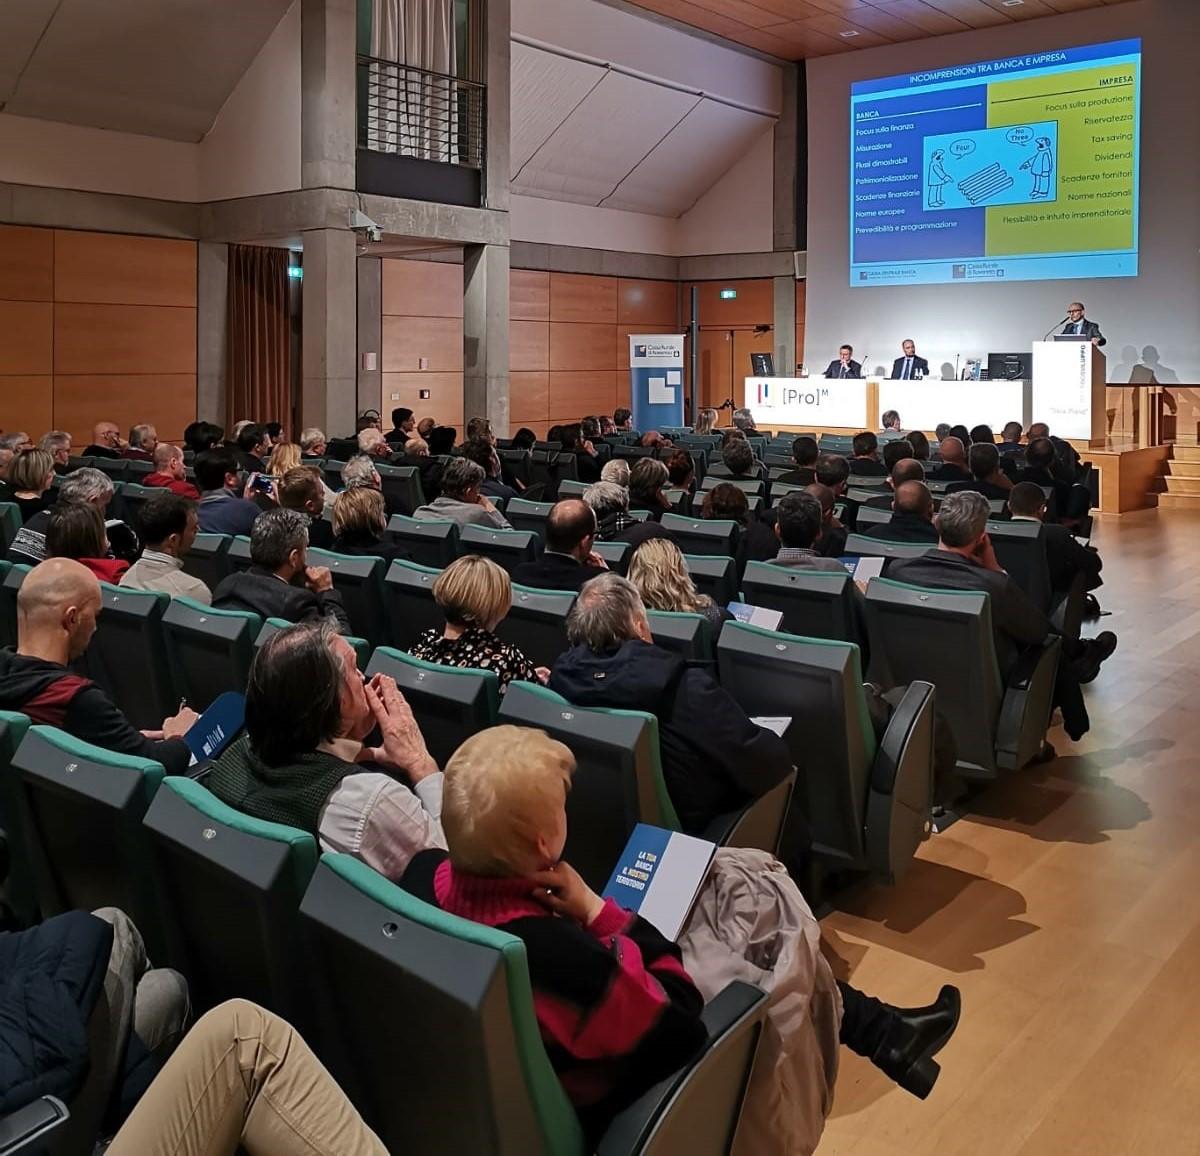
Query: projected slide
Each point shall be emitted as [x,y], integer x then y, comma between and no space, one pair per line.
[1024,169]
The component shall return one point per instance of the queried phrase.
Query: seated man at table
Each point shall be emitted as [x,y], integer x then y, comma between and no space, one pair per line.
[912,516]
[965,560]
[987,478]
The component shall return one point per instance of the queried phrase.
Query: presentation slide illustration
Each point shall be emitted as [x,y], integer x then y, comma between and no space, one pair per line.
[1020,169]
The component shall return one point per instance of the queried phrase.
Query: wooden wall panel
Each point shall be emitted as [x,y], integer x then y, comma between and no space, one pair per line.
[647,303]
[623,397]
[573,394]
[445,402]
[26,264]
[408,339]
[528,398]
[26,338]
[528,295]
[110,268]
[132,339]
[422,289]
[26,403]
[167,401]
[754,304]
[580,347]
[528,346]
[576,297]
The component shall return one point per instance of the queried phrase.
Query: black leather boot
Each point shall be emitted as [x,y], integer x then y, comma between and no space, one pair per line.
[905,1054]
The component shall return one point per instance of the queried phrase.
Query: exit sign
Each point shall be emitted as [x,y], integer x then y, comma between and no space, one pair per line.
[728,294]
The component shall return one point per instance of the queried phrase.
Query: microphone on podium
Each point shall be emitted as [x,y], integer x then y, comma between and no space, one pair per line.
[1046,335]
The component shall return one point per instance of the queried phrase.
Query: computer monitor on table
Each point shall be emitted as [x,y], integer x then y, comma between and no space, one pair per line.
[1008,366]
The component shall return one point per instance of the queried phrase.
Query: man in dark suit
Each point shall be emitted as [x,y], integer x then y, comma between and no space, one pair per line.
[844,365]
[568,561]
[965,560]
[987,478]
[865,462]
[954,462]
[1080,326]
[1043,469]
[833,472]
[1066,557]
[912,516]
[906,469]
[804,454]
[910,365]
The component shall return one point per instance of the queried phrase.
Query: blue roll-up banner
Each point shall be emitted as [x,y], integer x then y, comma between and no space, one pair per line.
[656,380]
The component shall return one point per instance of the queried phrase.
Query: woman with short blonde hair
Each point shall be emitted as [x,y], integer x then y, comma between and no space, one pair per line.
[360,526]
[661,575]
[284,457]
[706,421]
[29,478]
[475,594]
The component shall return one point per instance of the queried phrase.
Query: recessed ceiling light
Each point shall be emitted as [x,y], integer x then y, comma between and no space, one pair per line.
[851,32]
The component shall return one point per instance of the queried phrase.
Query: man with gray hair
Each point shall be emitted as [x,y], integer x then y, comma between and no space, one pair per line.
[57,443]
[615,470]
[79,486]
[743,419]
[966,560]
[313,442]
[143,441]
[462,499]
[280,583]
[16,441]
[715,760]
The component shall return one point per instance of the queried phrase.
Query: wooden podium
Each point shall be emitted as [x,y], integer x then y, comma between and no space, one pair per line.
[1069,389]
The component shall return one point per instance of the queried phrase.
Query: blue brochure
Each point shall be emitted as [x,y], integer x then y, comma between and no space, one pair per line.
[659,875]
[217,727]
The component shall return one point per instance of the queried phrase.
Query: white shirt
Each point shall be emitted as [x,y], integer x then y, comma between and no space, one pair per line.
[155,571]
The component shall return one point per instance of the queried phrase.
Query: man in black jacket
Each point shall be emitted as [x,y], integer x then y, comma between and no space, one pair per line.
[1065,556]
[568,561]
[56,618]
[865,462]
[987,478]
[715,760]
[804,454]
[1042,467]
[281,583]
[912,516]
[954,462]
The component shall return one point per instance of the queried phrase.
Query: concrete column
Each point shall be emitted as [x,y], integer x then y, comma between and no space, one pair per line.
[786,160]
[785,326]
[499,55]
[212,330]
[485,334]
[327,94]
[329,380]
[370,336]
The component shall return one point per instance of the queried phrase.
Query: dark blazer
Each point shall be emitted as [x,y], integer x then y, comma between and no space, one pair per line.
[993,493]
[834,368]
[904,527]
[365,546]
[1090,329]
[919,365]
[800,476]
[867,468]
[756,542]
[948,472]
[320,534]
[555,572]
[1067,558]
[262,593]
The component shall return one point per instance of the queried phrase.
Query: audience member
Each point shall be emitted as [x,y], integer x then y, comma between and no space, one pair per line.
[953,467]
[1067,558]
[225,506]
[568,560]
[79,486]
[17,441]
[308,712]
[169,525]
[475,595]
[360,526]
[832,542]
[920,445]
[441,440]
[987,477]
[982,435]
[799,521]
[462,499]
[755,541]
[903,470]
[655,440]
[313,443]
[300,489]
[483,453]
[284,456]
[616,470]
[280,583]
[275,434]
[6,461]
[524,439]
[1011,443]
[805,455]
[57,607]
[659,571]
[607,426]
[106,441]
[425,427]
[963,435]
[706,421]
[715,760]
[76,530]
[251,443]
[170,472]
[614,523]
[416,454]
[372,442]
[912,516]
[681,471]
[623,420]
[587,464]
[897,450]
[941,432]
[404,425]
[29,479]
[143,441]
[740,461]
[1042,468]
[965,560]
[890,420]
[368,419]
[1067,460]
[743,419]
[480,427]
[648,478]
[865,463]
[57,443]
[200,436]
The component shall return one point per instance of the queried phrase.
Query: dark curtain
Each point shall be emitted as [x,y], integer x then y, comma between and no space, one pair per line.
[258,372]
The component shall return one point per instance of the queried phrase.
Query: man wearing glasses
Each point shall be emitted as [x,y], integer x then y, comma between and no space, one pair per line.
[1079,325]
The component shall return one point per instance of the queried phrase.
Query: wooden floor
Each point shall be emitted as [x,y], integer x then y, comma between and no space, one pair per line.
[1066,908]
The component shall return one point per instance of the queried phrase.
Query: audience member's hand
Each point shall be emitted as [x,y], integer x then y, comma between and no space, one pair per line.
[178,725]
[561,890]
[595,559]
[318,579]
[486,503]
[403,744]
[543,673]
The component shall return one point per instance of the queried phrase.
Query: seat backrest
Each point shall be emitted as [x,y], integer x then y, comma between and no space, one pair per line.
[569,488]
[85,808]
[430,543]
[239,553]
[450,703]
[390,968]
[814,603]
[272,626]
[507,548]
[10,524]
[536,623]
[701,536]
[401,487]
[133,497]
[209,650]
[208,559]
[359,580]
[872,516]
[616,554]
[748,486]
[878,548]
[10,587]
[1021,549]
[229,888]
[128,655]
[618,777]
[22,896]
[408,596]
[688,635]
[516,463]
[943,637]
[523,515]
[818,684]
[714,575]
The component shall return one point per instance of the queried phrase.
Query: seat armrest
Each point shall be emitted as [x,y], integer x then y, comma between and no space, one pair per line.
[1028,663]
[758,823]
[21,1129]
[729,1008]
[917,699]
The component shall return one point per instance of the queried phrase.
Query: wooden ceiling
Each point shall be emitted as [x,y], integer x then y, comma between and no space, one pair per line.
[795,29]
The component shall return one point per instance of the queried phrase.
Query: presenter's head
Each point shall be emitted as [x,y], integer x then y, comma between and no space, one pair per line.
[1075,311]
[844,353]
[908,346]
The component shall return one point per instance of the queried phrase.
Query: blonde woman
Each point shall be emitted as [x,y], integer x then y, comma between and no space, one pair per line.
[286,456]
[706,421]
[475,594]
[360,526]
[659,572]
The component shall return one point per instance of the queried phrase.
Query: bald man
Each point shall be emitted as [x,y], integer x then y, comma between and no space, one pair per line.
[568,560]
[954,462]
[106,441]
[912,517]
[56,617]
[905,470]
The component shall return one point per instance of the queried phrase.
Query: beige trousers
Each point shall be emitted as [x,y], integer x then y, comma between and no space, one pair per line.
[243,1076]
